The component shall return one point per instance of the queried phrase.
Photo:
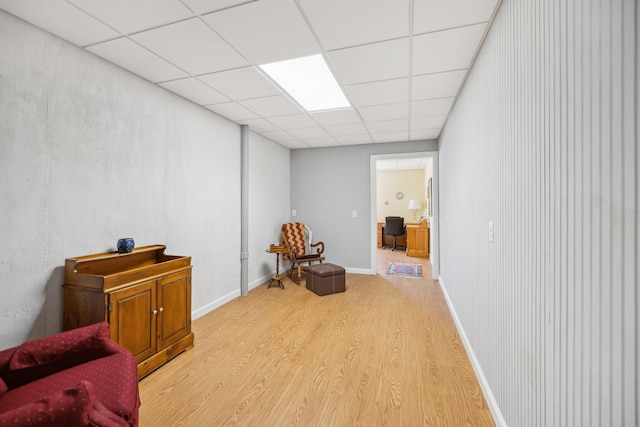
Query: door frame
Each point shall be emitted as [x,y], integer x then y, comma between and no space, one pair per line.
[434,235]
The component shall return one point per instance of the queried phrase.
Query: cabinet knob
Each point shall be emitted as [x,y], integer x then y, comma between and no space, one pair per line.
[161,309]
[155,312]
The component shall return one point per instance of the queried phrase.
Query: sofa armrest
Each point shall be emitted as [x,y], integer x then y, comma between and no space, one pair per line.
[41,357]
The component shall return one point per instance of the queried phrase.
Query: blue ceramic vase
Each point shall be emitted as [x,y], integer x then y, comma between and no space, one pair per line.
[125,245]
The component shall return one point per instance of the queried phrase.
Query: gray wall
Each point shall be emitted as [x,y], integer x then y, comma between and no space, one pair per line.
[543,142]
[90,153]
[327,184]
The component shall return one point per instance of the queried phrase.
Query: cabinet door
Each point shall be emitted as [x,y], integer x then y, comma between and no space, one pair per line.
[422,242]
[132,319]
[174,308]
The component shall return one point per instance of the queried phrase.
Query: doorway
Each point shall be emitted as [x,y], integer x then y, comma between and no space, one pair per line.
[434,219]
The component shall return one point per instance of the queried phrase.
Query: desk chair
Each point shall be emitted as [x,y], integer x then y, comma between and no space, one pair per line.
[394,226]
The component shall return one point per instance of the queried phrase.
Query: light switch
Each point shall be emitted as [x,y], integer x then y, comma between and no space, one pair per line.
[293,212]
[491,232]
[354,214]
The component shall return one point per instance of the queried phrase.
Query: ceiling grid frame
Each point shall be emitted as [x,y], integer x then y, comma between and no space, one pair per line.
[389,108]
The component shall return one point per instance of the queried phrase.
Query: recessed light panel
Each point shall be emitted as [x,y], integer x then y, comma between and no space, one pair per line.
[309,81]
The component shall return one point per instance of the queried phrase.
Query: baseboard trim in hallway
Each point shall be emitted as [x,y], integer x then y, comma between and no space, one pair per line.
[484,384]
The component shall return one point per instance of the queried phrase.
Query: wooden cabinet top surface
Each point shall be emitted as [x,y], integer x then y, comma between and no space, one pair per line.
[112,269]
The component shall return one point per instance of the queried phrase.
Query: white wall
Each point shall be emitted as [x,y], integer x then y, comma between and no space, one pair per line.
[90,153]
[268,204]
[543,142]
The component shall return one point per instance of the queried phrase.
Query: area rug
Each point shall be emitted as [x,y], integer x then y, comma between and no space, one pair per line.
[412,271]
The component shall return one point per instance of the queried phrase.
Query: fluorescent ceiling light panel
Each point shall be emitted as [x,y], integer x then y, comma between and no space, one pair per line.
[309,81]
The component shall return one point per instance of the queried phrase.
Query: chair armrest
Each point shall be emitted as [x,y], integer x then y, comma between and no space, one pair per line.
[41,357]
[320,250]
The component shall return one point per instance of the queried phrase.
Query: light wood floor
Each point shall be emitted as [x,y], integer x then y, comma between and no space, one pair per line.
[383,353]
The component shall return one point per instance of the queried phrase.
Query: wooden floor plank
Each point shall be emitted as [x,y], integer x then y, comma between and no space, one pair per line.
[383,353]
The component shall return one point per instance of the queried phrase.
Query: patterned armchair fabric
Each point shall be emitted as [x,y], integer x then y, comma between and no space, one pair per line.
[300,250]
[75,378]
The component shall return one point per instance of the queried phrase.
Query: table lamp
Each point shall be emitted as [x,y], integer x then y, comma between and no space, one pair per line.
[414,205]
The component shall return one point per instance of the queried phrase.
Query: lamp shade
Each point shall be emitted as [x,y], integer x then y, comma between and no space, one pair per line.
[414,204]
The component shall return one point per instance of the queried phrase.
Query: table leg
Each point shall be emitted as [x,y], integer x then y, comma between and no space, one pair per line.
[277,278]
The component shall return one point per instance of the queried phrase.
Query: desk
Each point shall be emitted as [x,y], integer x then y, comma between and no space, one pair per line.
[418,239]
[277,278]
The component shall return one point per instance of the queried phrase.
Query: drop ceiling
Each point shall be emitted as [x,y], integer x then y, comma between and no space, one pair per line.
[401,63]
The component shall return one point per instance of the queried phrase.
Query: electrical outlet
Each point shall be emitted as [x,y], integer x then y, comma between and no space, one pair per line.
[293,212]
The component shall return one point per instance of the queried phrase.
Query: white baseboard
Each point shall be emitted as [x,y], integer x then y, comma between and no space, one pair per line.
[263,279]
[359,271]
[235,294]
[484,384]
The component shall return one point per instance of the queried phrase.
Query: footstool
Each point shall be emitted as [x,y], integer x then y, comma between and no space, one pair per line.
[325,279]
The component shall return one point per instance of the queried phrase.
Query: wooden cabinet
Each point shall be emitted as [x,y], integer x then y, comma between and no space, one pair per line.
[145,296]
[418,239]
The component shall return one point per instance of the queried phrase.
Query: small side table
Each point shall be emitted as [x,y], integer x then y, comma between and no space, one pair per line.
[277,278]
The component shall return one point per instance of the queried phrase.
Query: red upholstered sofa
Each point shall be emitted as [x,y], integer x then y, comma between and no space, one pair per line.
[75,378]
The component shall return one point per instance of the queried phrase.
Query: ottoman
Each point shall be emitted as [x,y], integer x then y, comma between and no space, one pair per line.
[324,279]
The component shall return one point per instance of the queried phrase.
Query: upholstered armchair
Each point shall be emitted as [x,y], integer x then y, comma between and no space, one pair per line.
[297,237]
[75,378]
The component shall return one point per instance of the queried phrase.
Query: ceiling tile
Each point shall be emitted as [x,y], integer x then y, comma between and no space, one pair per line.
[354,139]
[135,58]
[204,6]
[191,46]
[440,85]
[129,16]
[428,122]
[232,111]
[424,134]
[401,164]
[384,112]
[396,136]
[446,50]
[278,135]
[375,93]
[431,107]
[293,144]
[340,23]
[259,125]
[195,91]
[241,83]
[56,17]
[434,15]
[348,129]
[336,117]
[265,31]
[412,163]
[308,133]
[271,106]
[388,125]
[295,121]
[364,63]
[401,85]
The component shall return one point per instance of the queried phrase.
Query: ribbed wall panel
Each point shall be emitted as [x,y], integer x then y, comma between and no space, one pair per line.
[543,142]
